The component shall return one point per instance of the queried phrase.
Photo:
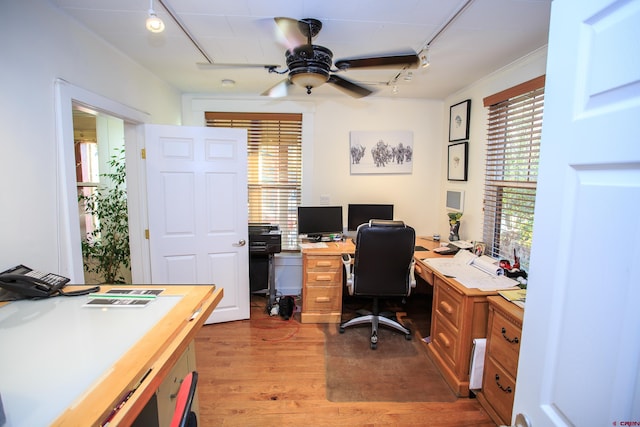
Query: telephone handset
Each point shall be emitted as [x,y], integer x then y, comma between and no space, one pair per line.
[28,283]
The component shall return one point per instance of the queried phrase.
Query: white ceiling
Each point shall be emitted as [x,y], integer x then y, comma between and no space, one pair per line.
[486,36]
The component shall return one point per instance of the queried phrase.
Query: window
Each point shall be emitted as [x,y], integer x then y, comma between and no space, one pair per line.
[274,151]
[513,147]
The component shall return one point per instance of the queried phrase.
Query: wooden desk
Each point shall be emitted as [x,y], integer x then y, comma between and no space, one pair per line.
[458,315]
[322,273]
[501,359]
[71,365]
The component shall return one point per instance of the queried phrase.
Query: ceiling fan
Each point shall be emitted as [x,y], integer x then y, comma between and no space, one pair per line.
[310,65]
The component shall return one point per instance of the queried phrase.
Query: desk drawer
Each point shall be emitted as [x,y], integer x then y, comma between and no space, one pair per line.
[324,278]
[499,388]
[324,262]
[445,340]
[504,342]
[448,303]
[424,272]
[322,298]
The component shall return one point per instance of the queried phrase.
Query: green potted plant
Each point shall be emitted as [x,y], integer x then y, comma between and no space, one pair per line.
[105,250]
[454,225]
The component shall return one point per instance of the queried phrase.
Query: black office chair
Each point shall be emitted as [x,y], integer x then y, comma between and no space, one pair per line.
[183,415]
[383,267]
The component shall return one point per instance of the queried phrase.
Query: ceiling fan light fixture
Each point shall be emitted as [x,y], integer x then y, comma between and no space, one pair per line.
[309,66]
[309,79]
[154,23]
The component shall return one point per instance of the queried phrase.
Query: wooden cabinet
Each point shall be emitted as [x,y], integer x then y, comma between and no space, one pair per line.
[459,315]
[321,288]
[501,359]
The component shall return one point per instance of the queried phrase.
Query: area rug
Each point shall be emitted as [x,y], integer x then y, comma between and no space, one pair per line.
[397,371]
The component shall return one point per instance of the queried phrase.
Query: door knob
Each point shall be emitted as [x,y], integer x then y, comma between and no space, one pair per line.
[240,243]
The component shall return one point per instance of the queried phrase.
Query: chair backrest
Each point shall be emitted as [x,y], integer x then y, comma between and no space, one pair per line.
[384,253]
[183,416]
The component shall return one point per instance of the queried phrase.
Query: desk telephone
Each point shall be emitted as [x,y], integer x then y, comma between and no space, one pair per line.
[29,283]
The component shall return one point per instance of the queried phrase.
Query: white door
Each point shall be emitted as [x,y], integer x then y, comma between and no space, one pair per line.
[580,353]
[198,215]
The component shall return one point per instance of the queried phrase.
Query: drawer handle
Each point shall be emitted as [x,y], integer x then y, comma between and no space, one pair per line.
[444,340]
[446,307]
[506,390]
[323,299]
[323,264]
[515,340]
[324,278]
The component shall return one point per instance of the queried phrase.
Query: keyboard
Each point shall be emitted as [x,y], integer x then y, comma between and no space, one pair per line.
[450,249]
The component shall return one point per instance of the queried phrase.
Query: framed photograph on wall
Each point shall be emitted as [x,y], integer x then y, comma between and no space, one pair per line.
[459,121]
[457,161]
[381,152]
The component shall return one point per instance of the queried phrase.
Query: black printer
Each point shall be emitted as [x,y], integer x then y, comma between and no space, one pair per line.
[264,238]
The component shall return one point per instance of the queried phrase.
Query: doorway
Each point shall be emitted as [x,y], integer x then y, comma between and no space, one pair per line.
[99,147]
[68,98]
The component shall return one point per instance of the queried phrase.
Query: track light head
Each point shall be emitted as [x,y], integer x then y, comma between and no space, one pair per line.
[154,23]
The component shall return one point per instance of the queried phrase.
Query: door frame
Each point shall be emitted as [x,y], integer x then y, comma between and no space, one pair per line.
[68,232]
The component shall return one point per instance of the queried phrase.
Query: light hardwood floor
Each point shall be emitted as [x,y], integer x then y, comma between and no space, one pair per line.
[270,372]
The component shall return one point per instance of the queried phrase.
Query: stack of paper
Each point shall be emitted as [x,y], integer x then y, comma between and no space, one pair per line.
[472,271]
[516,296]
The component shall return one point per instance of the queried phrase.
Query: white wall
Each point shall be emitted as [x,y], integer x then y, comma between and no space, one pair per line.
[39,45]
[527,68]
[326,160]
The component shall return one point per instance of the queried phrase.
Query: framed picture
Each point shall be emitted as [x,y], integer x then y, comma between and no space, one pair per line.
[457,162]
[459,121]
[479,248]
[381,152]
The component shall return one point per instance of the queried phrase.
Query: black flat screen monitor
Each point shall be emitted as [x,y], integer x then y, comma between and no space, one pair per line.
[319,220]
[361,213]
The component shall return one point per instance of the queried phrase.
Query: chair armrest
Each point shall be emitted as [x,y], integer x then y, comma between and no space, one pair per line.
[346,261]
[412,275]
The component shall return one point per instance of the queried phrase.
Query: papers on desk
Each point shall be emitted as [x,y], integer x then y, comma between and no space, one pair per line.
[472,271]
[516,296]
[313,245]
[125,297]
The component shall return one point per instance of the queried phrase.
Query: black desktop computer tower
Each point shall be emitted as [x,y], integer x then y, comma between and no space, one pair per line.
[258,272]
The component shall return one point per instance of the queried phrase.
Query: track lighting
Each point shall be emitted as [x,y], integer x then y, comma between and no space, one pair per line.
[154,23]
[425,58]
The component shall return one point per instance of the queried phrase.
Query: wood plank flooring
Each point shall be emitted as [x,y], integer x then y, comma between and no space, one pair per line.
[270,372]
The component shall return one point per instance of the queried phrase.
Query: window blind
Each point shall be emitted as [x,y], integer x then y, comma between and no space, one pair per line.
[511,174]
[274,156]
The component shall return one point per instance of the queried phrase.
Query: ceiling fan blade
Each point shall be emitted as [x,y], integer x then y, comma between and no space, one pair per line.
[289,33]
[349,87]
[408,60]
[278,90]
[215,66]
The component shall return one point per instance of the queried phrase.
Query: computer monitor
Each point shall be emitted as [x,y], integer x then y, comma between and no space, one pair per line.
[362,213]
[316,221]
